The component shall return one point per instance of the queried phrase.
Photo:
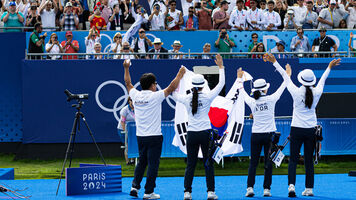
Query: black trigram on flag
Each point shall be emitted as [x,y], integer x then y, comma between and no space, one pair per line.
[182,131]
[236,134]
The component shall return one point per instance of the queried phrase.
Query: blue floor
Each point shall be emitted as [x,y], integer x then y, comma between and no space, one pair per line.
[327,186]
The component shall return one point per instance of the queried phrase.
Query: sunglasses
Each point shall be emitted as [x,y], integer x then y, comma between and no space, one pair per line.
[55,37]
[322,31]
[254,37]
[173,4]
[142,32]
[300,33]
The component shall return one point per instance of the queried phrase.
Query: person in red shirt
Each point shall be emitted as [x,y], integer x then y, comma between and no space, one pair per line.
[70,46]
[97,20]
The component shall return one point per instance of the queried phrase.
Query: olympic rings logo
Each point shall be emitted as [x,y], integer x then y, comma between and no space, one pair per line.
[123,99]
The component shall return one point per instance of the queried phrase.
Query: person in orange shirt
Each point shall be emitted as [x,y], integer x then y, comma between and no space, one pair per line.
[70,46]
[97,20]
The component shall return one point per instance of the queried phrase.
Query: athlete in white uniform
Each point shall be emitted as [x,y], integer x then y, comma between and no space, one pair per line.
[263,128]
[304,121]
[199,128]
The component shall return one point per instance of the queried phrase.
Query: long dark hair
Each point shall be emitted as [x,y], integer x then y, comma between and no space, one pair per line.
[308,97]
[256,94]
[195,101]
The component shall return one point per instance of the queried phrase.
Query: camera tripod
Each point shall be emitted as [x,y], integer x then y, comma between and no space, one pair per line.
[76,127]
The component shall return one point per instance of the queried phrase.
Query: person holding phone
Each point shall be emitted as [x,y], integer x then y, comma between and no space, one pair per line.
[53,46]
[157,18]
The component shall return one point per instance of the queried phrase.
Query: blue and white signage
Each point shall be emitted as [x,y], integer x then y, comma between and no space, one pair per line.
[93,179]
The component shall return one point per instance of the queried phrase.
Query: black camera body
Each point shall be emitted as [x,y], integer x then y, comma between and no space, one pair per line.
[71,96]
[223,35]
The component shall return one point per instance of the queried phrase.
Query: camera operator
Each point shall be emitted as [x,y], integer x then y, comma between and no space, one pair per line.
[33,17]
[157,18]
[224,43]
[36,42]
[197,105]
[162,5]
[289,20]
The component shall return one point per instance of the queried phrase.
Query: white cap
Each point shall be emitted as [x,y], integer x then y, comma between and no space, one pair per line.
[176,42]
[157,41]
[307,77]
[260,84]
[69,4]
[198,80]
[332,2]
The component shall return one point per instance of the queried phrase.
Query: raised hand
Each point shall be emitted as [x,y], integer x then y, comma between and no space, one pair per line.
[127,63]
[181,71]
[351,35]
[288,70]
[219,61]
[269,57]
[240,73]
[334,63]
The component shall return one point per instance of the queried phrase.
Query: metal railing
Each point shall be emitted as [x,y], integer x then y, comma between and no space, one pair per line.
[28,28]
[189,55]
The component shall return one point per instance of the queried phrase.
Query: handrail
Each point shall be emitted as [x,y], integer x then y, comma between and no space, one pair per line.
[27,27]
[190,54]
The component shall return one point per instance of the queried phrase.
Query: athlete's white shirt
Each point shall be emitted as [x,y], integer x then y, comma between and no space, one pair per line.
[200,121]
[263,108]
[148,111]
[272,18]
[238,18]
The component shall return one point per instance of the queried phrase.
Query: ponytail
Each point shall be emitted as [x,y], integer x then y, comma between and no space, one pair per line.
[195,101]
[308,97]
[256,94]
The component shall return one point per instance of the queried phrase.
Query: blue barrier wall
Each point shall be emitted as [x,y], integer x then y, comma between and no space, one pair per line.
[12,53]
[194,40]
[48,117]
[339,138]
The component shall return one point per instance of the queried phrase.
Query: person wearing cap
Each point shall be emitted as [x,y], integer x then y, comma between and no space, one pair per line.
[141,43]
[90,41]
[323,43]
[96,20]
[237,19]
[70,46]
[148,113]
[48,14]
[68,20]
[264,127]
[157,18]
[310,20]
[197,104]
[263,6]
[221,17]
[300,42]
[304,121]
[273,20]
[190,21]
[289,20]
[299,12]
[224,43]
[12,18]
[174,17]
[255,17]
[281,45]
[204,16]
[36,42]
[176,49]
[157,48]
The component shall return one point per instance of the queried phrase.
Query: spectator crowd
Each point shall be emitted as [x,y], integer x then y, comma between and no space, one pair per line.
[222,15]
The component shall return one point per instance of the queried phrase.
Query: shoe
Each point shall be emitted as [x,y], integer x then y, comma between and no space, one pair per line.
[267,193]
[291,191]
[308,192]
[134,192]
[151,196]
[212,195]
[187,196]
[250,192]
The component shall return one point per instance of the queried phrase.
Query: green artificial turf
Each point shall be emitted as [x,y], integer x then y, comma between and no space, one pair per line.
[39,169]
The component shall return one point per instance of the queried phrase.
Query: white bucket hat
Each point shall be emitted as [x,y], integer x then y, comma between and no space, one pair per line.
[157,41]
[260,84]
[307,77]
[198,80]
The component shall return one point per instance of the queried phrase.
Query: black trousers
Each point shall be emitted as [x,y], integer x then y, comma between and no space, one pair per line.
[299,136]
[196,139]
[150,149]
[259,140]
